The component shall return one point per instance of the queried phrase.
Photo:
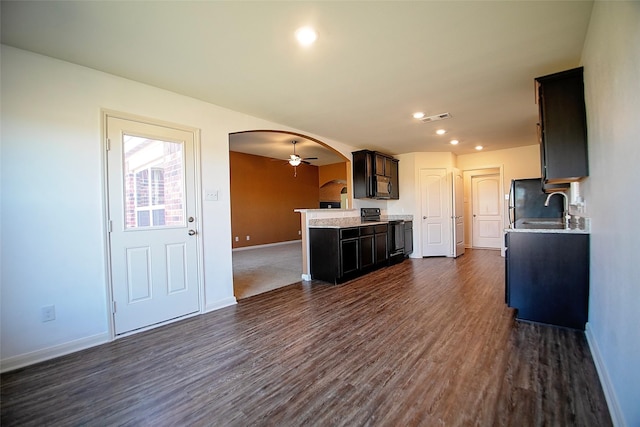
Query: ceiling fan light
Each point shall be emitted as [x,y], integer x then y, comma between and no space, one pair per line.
[295,161]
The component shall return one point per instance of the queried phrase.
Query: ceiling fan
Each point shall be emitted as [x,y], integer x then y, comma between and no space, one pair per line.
[295,160]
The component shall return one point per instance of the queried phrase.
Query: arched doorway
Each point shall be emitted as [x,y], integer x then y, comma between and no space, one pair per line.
[265,189]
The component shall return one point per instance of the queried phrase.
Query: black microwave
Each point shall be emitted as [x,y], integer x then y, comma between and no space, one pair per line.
[382,187]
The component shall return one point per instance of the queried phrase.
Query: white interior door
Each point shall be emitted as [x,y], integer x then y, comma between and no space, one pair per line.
[435,213]
[457,215]
[487,214]
[153,235]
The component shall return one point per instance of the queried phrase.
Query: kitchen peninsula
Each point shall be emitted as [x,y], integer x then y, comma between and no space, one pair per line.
[339,244]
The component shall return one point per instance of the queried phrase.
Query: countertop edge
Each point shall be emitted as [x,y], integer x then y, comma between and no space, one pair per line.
[355,221]
[547,230]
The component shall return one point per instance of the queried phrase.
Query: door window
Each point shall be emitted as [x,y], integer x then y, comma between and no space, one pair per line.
[153,183]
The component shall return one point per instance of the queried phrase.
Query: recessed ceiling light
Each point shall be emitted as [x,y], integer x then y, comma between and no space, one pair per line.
[306,36]
[418,115]
[441,131]
[479,147]
[454,142]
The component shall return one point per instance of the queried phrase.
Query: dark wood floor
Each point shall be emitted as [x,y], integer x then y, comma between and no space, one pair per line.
[426,342]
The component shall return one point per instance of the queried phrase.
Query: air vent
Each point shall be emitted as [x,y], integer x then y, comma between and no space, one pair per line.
[437,117]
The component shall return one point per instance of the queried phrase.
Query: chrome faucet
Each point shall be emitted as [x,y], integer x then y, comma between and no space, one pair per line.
[565,213]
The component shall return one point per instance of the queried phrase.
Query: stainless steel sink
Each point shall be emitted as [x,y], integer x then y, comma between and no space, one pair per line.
[541,223]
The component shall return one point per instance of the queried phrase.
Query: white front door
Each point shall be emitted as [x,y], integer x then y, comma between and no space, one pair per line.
[457,215]
[487,217]
[152,213]
[435,213]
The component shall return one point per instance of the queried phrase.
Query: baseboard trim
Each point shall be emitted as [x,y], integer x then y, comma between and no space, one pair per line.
[22,360]
[609,392]
[216,305]
[266,245]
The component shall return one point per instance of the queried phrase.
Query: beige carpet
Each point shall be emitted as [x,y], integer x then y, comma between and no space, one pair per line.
[262,269]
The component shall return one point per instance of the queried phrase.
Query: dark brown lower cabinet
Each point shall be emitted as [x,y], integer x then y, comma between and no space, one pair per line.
[340,254]
[381,253]
[547,277]
[367,251]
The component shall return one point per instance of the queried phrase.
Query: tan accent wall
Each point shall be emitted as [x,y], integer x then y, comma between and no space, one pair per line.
[264,194]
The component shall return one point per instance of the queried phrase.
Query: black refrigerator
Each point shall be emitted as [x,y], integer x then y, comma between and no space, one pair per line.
[526,200]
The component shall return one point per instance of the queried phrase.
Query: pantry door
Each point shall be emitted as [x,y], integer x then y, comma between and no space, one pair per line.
[153,238]
[487,217]
[436,229]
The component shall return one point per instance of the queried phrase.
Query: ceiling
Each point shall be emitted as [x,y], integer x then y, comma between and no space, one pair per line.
[279,145]
[373,65]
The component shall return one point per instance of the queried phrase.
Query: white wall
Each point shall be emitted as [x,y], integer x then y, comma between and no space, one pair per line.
[53,248]
[519,162]
[611,59]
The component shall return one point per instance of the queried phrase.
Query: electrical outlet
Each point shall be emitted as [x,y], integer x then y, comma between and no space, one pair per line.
[237,239]
[299,232]
[248,238]
[48,313]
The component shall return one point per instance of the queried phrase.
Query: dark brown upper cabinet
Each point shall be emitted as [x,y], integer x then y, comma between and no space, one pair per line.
[562,129]
[375,176]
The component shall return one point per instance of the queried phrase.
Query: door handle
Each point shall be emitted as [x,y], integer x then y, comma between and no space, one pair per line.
[192,232]
[424,217]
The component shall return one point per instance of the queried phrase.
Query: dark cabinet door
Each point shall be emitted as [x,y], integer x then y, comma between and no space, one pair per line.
[563,126]
[393,175]
[548,277]
[367,248]
[324,253]
[349,255]
[381,248]
[380,164]
[363,175]
[506,270]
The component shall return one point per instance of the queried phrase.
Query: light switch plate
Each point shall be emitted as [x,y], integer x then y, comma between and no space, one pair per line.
[211,195]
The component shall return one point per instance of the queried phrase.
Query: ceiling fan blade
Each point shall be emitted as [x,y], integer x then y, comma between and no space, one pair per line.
[309,158]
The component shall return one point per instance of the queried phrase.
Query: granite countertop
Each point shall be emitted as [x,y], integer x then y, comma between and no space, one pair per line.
[355,221]
[548,225]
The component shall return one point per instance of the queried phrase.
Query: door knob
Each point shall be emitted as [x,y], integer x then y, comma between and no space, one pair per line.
[192,232]
[191,219]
